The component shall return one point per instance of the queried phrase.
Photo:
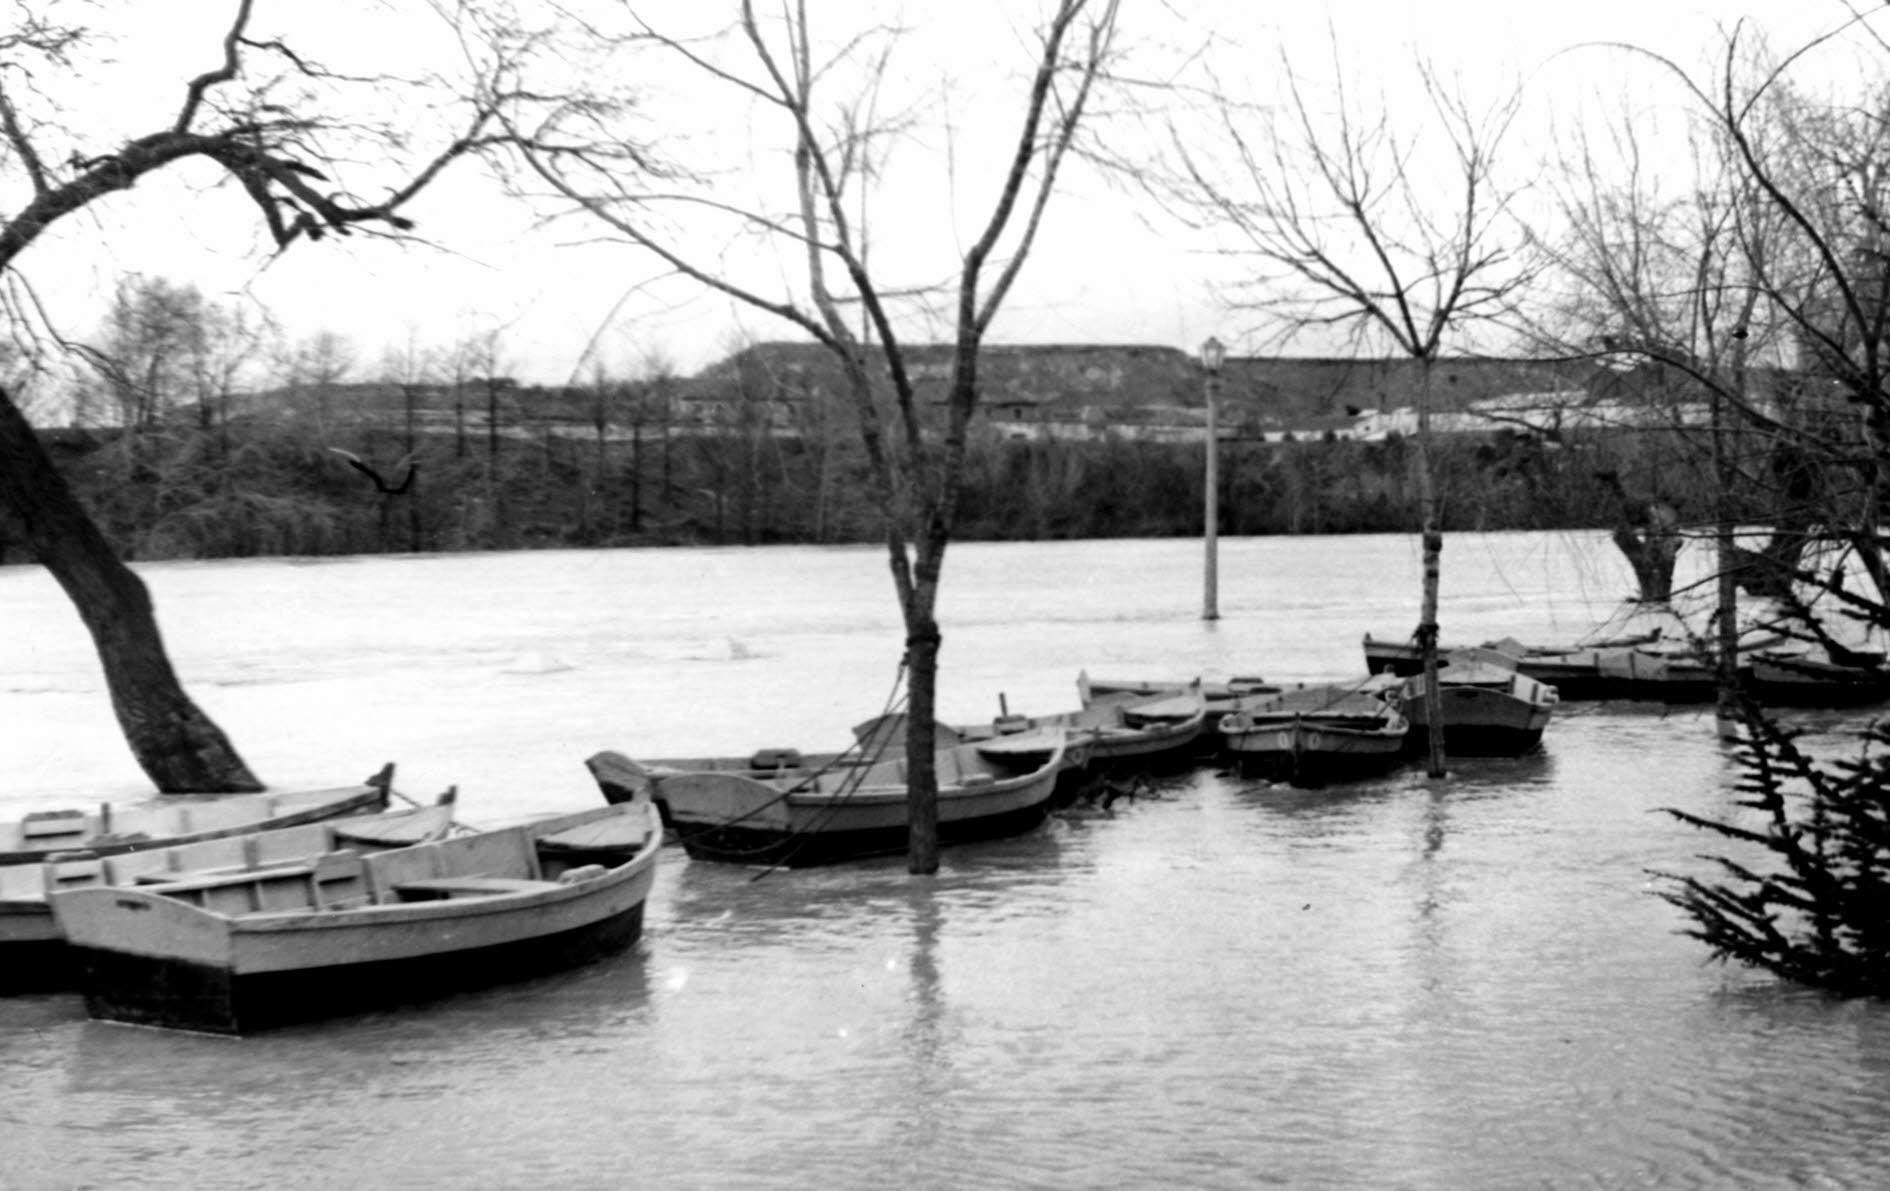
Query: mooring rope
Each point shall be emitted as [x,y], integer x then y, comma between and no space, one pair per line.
[881,740]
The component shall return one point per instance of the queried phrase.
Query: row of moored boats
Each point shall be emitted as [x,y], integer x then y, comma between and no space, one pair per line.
[230,913]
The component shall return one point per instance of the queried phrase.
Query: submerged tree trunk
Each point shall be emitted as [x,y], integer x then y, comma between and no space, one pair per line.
[922,645]
[1651,552]
[1648,536]
[1727,599]
[1433,539]
[173,740]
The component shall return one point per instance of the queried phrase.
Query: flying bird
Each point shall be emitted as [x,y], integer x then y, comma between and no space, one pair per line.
[355,461]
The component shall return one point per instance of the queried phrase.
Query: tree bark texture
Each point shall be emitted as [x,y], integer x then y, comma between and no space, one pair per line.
[174,742]
[1651,553]
[1648,536]
[922,645]
[1726,580]
[1433,540]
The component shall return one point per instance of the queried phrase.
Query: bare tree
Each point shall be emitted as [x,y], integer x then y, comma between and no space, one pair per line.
[233,340]
[410,368]
[1799,167]
[259,116]
[1354,225]
[1760,293]
[167,360]
[829,104]
[322,363]
[154,333]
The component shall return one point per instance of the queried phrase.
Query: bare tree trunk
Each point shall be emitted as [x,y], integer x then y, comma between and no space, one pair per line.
[636,478]
[822,475]
[918,598]
[1433,539]
[492,421]
[1727,604]
[668,455]
[174,742]
[922,646]
[1651,554]
[1648,536]
[413,483]
[1727,701]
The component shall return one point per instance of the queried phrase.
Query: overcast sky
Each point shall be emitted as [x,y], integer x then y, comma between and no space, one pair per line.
[1106,271]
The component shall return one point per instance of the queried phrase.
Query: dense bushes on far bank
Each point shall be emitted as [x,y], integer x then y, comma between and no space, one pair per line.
[287,489]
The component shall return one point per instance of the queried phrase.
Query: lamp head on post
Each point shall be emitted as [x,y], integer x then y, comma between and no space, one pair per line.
[1213,354]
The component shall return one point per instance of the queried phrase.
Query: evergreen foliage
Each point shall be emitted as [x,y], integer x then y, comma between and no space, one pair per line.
[1813,905]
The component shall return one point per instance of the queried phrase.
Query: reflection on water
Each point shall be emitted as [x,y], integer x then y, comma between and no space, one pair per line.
[1227,983]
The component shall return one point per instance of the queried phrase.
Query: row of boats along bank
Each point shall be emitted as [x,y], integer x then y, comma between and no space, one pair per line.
[231,913]
[780,807]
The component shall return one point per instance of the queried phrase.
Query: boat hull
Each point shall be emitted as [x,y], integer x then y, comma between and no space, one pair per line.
[35,964]
[739,844]
[1473,733]
[1578,675]
[33,952]
[1313,754]
[1575,676]
[1218,698]
[216,998]
[736,819]
[1488,708]
[1109,739]
[1802,682]
[1112,730]
[172,819]
[1658,677]
[239,952]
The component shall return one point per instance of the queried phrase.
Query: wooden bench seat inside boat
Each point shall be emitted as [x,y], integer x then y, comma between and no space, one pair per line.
[212,876]
[952,771]
[440,888]
[44,825]
[482,865]
[205,858]
[333,880]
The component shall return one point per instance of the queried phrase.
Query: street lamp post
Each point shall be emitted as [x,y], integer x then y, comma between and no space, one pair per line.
[1212,355]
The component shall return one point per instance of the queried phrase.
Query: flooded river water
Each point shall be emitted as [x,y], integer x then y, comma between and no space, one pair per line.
[1400,983]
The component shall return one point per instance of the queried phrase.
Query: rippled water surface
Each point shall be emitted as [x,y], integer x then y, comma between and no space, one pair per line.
[1227,984]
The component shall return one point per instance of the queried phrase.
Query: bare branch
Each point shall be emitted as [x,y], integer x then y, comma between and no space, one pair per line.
[193,95]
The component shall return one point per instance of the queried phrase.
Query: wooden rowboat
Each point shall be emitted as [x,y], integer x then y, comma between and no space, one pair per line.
[33,952]
[1214,691]
[1780,679]
[1313,734]
[1573,670]
[232,953]
[875,740]
[1219,694]
[181,818]
[841,814]
[1107,731]
[1674,673]
[1490,710]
